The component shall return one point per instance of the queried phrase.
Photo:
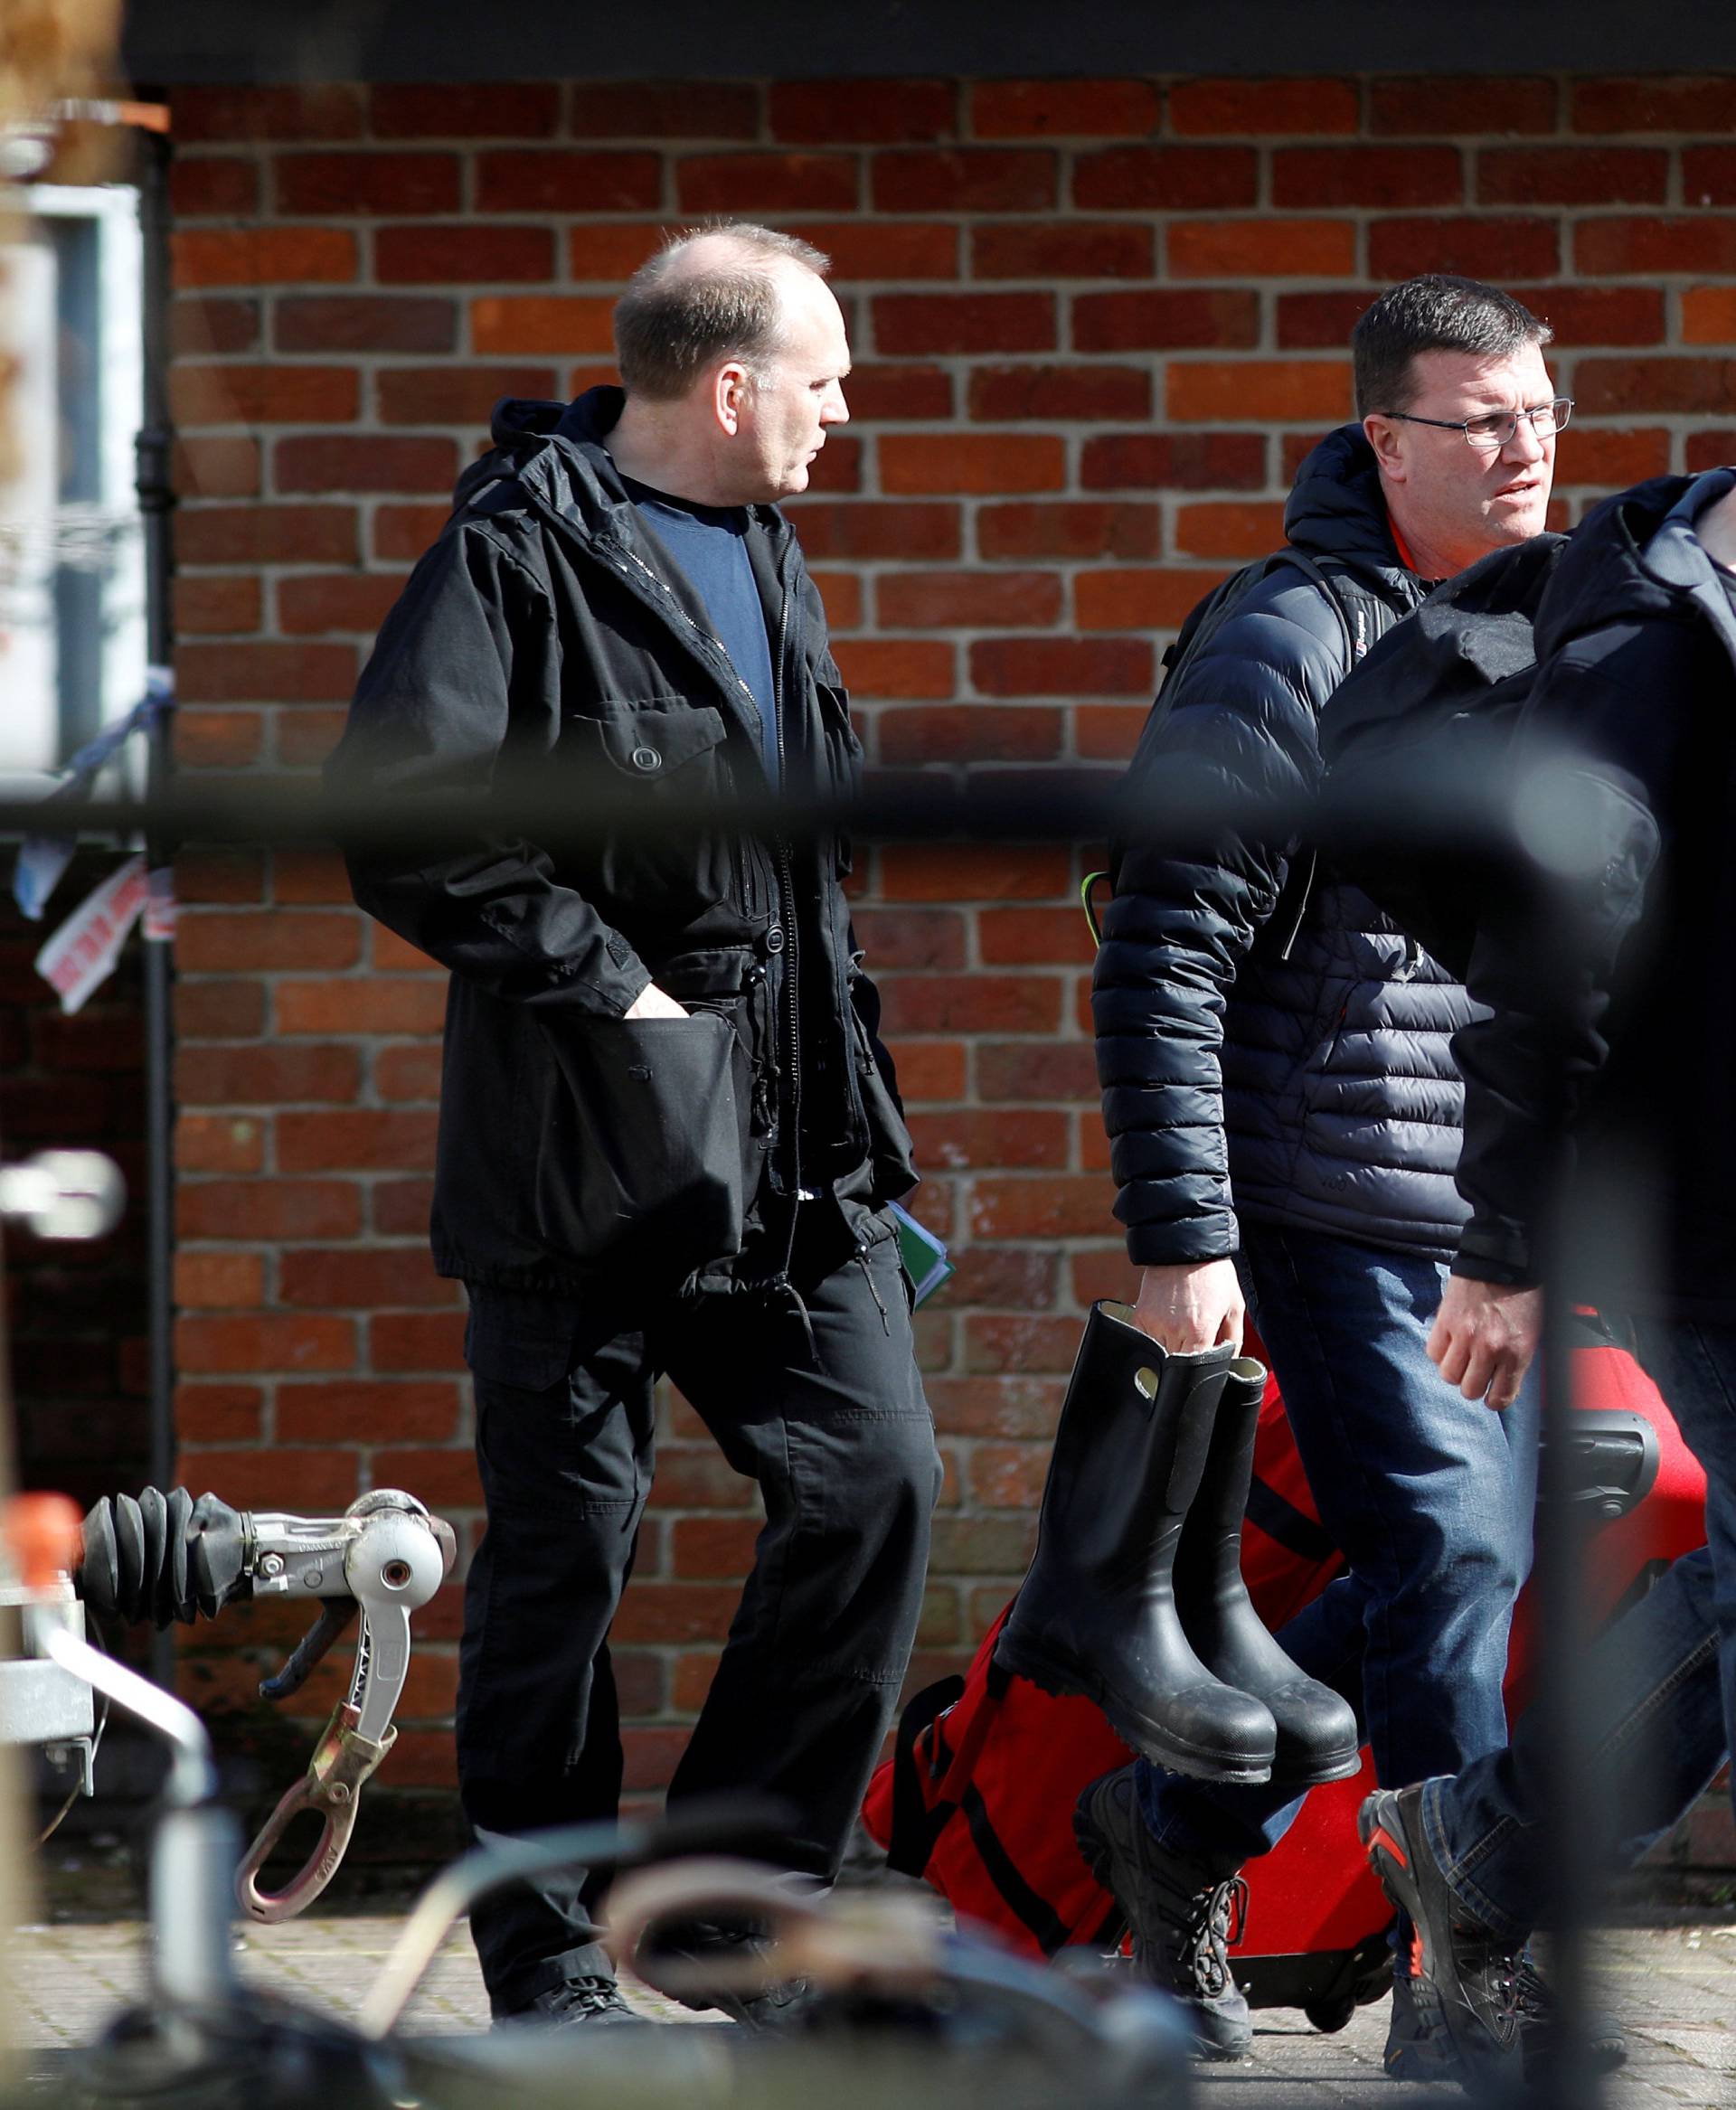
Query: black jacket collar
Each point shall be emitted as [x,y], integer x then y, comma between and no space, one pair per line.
[1336,508]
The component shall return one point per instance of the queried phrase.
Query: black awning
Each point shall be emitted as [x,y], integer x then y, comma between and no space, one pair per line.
[261,41]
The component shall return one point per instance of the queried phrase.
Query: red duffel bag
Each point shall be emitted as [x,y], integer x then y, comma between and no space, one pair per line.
[978,1796]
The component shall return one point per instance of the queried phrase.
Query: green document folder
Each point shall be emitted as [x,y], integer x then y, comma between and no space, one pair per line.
[924,1256]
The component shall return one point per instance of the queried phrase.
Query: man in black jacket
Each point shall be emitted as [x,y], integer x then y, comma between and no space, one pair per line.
[1631,1059]
[668,1132]
[1284,1118]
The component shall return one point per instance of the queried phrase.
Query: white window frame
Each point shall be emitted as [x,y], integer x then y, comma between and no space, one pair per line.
[107,532]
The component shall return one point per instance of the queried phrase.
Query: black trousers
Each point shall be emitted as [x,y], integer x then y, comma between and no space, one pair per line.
[839,1438]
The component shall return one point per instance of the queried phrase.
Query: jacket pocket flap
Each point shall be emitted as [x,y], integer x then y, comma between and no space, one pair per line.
[650,743]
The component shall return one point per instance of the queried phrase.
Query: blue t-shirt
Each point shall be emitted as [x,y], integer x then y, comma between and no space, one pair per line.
[709,543]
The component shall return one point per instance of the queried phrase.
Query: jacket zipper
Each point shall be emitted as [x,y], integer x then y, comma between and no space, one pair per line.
[785,909]
[1301,907]
[743,870]
[676,610]
[666,605]
[786,880]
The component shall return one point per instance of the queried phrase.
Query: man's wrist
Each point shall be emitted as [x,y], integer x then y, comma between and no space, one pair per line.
[1482,1267]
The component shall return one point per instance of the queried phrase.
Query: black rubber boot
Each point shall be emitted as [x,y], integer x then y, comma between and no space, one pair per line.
[1097,1612]
[1317,1729]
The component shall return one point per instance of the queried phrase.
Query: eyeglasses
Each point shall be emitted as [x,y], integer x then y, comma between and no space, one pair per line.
[1497,429]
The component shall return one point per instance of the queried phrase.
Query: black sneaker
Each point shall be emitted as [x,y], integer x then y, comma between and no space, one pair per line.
[1183,1916]
[705,1940]
[1454,1997]
[1420,2047]
[1606,2041]
[575,2000]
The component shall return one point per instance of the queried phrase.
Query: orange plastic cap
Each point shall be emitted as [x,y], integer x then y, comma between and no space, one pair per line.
[44,1535]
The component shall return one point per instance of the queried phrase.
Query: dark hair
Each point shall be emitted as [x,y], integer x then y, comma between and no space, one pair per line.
[1434,313]
[678,317]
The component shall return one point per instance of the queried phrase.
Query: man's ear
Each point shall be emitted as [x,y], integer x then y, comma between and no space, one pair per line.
[1387,439]
[729,393]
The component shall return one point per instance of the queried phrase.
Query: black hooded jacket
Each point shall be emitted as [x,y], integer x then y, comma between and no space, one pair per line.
[546,625]
[1637,656]
[1293,1071]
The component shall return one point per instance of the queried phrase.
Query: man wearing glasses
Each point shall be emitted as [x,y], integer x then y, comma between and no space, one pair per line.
[1284,1118]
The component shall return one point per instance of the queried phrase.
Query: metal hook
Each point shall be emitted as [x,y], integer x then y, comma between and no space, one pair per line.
[343,1763]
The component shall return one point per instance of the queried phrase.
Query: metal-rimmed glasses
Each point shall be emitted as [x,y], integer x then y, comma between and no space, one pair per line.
[1496,429]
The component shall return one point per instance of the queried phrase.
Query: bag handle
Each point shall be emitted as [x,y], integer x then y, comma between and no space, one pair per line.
[914,1828]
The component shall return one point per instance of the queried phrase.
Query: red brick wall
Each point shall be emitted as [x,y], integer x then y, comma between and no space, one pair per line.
[1095,324]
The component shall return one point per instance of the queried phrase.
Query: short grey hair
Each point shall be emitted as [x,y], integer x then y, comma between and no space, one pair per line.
[678,318]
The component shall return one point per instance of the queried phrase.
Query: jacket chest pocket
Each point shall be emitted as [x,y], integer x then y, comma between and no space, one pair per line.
[648,739]
[665,750]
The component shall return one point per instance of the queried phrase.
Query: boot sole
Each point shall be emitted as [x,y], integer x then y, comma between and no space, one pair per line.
[1342,1767]
[1064,1682]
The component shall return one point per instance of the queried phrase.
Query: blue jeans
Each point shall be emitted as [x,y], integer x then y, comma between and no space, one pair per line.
[1662,1679]
[1428,1495]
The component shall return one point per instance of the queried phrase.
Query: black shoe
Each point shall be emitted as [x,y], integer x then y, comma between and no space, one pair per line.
[705,1940]
[588,2001]
[1606,2041]
[1183,1916]
[1455,1998]
[1420,2047]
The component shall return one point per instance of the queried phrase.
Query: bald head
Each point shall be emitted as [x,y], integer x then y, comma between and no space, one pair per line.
[712,294]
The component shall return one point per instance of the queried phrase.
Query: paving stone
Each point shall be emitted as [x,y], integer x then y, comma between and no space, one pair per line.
[1673,1984]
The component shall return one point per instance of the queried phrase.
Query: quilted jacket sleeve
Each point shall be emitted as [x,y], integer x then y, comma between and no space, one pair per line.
[1242,710]
[466,672]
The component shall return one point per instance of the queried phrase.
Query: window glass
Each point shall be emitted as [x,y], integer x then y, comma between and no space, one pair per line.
[72,633]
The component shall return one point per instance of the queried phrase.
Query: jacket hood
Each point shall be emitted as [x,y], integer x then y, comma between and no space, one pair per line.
[1637,555]
[556,452]
[557,448]
[1336,507]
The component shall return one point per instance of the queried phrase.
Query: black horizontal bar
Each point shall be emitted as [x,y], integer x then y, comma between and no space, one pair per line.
[1523,820]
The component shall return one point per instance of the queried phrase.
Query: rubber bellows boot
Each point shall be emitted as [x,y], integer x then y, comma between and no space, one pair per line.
[1317,1729]
[1097,1612]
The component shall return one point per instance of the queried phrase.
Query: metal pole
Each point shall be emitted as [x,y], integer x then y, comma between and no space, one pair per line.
[1573,1821]
[156,501]
[17,1870]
